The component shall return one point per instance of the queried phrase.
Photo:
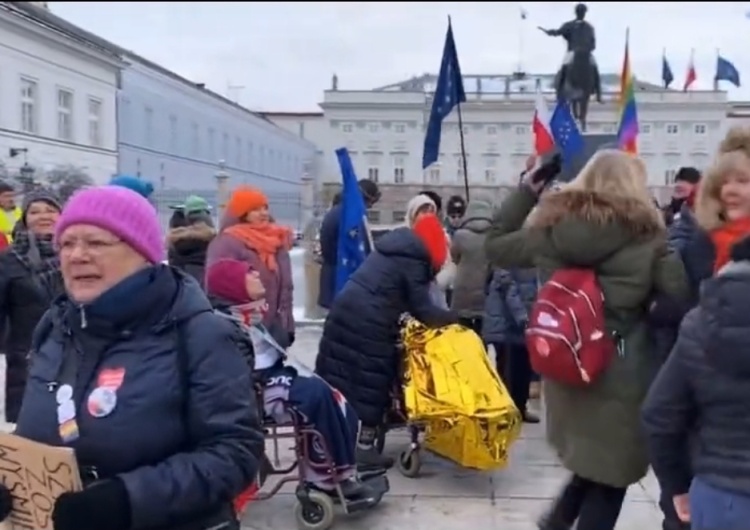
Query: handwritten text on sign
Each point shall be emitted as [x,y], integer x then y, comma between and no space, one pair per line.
[36,476]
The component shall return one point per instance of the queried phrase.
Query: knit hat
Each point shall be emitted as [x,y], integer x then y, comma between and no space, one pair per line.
[414,205]
[245,199]
[195,204]
[119,210]
[142,187]
[45,196]
[5,187]
[430,231]
[456,206]
[688,174]
[225,279]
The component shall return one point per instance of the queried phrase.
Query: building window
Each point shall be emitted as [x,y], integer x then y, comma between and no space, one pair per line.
[400,128]
[373,173]
[644,128]
[434,175]
[699,129]
[399,216]
[521,130]
[492,130]
[95,122]
[29,106]
[225,147]
[609,128]
[250,154]
[489,176]
[673,129]
[212,144]
[173,134]
[669,176]
[65,114]
[238,151]
[373,127]
[347,127]
[196,140]
[261,160]
[148,126]
[465,130]
[398,169]
[373,216]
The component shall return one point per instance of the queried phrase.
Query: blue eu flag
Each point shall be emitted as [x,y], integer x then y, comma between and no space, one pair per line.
[726,71]
[350,251]
[565,132]
[448,93]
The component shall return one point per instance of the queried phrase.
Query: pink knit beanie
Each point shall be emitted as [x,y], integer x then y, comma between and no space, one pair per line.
[119,210]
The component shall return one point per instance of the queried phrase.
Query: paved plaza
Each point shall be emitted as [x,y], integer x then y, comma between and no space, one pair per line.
[446,497]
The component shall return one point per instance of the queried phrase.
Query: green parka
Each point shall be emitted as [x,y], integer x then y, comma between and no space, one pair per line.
[596,430]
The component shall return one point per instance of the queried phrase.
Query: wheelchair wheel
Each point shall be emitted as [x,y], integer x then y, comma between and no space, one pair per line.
[409,463]
[316,512]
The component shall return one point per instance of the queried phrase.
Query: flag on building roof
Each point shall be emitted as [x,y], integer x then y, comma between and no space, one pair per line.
[691,76]
[524,14]
[666,71]
[726,71]
[543,140]
[627,132]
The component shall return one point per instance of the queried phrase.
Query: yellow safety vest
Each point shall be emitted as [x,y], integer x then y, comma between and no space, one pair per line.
[8,221]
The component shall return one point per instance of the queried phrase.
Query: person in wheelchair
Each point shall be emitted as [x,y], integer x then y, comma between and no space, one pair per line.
[359,352]
[236,293]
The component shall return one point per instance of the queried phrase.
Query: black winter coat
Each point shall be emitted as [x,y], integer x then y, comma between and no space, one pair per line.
[359,352]
[23,301]
[700,398]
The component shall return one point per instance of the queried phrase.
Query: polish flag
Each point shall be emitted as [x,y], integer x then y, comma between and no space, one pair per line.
[691,76]
[543,141]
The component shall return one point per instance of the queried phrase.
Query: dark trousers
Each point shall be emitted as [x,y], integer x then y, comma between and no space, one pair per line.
[595,506]
[514,367]
[473,323]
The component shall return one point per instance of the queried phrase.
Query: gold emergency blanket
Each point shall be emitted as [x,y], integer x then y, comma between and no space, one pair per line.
[451,388]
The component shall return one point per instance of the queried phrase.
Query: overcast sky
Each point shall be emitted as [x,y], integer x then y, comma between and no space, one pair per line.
[284,53]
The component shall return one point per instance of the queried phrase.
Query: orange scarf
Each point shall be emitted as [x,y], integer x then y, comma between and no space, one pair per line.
[265,239]
[726,236]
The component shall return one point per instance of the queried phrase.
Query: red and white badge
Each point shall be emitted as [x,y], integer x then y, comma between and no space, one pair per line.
[111,378]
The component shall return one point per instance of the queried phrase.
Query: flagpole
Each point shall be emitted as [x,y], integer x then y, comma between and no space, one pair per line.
[463,150]
[521,40]
[716,81]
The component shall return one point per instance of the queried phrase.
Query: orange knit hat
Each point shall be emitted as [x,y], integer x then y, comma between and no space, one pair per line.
[430,231]
[245,199]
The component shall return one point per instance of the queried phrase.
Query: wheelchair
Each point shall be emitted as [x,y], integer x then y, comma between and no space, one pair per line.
[315,509]
[409,461]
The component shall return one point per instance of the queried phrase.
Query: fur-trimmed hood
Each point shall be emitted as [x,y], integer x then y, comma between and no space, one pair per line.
[197,231]
[586,226]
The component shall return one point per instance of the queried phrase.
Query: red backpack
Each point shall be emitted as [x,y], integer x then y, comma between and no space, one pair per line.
[566,336]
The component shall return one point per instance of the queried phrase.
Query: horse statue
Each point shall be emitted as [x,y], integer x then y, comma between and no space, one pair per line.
[578,77]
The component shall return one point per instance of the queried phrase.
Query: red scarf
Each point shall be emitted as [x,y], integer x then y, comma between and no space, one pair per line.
[725,237]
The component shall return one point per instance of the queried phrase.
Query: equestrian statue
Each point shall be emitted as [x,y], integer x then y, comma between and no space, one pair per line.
[578,77]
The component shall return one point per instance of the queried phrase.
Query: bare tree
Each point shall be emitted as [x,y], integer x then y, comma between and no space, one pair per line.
[66,180]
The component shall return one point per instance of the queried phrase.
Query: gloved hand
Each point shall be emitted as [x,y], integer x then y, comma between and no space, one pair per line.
[104,505]
[292,337]
[6,502]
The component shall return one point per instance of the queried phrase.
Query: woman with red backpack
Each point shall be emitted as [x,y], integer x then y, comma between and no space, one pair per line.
[602,225]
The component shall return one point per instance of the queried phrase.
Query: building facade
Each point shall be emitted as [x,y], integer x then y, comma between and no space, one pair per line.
[384,132]
[58,96]
[180,135]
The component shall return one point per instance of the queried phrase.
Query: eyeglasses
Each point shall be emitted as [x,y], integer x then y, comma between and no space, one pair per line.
[91,247]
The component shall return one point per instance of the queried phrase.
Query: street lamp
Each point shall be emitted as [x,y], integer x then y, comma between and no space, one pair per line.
[221,177]
[27,176]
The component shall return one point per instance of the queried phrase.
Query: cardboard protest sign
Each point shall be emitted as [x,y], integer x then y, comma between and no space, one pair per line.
[36,475]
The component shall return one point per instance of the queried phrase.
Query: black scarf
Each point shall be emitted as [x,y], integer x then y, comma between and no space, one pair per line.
[37,254]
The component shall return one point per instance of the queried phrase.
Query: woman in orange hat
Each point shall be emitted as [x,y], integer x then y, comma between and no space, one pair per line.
[248,234]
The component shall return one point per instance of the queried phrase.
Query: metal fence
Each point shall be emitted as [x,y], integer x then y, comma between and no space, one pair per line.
[286,208]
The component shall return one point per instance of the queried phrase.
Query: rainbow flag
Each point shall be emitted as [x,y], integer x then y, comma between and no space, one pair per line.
[627,134]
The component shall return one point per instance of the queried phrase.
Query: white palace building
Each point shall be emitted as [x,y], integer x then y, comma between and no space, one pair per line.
[384,132]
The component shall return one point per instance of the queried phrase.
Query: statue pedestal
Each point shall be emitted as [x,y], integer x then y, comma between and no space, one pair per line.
[592,142]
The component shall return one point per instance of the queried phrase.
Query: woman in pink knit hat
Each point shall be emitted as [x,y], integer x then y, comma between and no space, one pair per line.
[133,345]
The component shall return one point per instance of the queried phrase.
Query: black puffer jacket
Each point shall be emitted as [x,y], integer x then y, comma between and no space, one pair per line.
[187,248]
[702,392]
[359,351]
